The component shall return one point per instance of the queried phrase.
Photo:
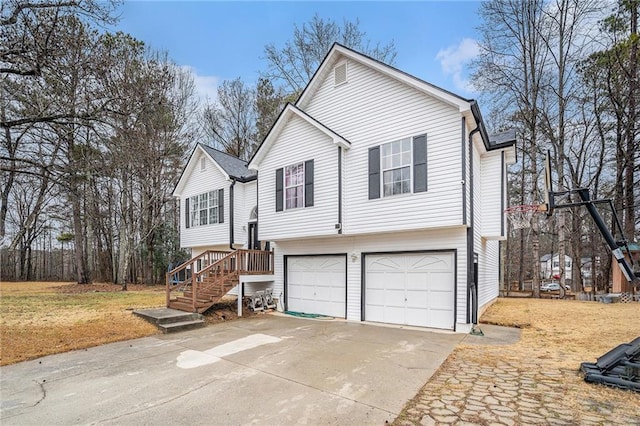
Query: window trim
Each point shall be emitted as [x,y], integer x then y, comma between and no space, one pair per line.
[203,163]
[410,166]
[299,203]
[211,210]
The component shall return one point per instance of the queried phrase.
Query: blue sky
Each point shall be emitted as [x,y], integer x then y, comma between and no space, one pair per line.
[224,40]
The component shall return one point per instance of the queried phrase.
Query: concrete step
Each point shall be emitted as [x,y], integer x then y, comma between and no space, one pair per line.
[169,320]
[181,326]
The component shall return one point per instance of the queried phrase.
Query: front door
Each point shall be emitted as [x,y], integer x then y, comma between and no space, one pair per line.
[254,243]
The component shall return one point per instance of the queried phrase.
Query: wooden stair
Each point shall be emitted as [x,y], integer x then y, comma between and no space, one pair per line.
[205,297]
[219,273]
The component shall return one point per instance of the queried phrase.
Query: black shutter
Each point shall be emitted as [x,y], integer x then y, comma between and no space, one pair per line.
[279,190]
[308,183]
[420,163]
[187,219]
[374,172]
[221,206]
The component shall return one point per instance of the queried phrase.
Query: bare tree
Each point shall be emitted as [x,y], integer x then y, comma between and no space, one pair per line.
[511,70]
[294,64]
[231,121]
[566,41]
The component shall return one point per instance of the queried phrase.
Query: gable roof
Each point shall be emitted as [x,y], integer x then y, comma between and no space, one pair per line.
[465,106]
[231,166]
[338,50]
[289,111]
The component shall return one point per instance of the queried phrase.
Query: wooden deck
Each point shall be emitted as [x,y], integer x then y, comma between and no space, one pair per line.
[209,276]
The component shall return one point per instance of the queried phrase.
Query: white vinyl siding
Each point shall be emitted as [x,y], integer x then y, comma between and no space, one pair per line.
[491,195]
[298,142]
[353,247]
[488,272]
[487,250]
[374,109]
[200,182]
[245,200]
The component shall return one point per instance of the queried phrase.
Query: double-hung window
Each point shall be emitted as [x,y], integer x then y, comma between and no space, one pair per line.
[205,209]
[398,167]
[294,186]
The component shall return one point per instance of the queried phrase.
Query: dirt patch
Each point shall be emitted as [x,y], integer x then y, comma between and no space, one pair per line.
[227,310]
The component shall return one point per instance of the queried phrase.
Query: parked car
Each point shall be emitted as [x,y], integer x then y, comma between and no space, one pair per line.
[553,287]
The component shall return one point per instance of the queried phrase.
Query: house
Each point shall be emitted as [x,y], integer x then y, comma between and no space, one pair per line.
[550,266]
[218,223]
[382,196]
[218,202]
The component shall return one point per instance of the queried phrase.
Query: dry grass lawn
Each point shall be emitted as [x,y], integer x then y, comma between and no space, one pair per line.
[560,334]
[43,318]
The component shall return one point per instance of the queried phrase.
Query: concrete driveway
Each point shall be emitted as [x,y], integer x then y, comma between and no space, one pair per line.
[269,369]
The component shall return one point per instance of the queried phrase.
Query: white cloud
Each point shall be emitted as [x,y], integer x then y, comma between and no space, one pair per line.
[454,58]
[206,86]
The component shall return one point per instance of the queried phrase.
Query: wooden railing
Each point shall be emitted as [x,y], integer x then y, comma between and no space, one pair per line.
[217,267]
[173,277]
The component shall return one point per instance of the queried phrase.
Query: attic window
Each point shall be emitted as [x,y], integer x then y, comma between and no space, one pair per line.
[203,164]
[340,74]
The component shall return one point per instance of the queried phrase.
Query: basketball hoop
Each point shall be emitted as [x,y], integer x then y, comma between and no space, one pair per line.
[520,216]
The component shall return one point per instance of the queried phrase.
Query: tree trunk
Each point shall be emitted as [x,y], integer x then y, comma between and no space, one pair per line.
[82,269]
[124,256]
[632,122]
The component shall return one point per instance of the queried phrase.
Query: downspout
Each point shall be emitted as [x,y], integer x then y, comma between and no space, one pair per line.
[231,208]
[340,189]
[472,290]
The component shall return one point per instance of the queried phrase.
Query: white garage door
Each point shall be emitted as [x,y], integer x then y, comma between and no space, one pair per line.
[317,285]
[412,289]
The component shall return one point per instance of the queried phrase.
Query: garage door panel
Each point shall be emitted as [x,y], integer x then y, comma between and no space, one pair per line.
[441,300]
[394,298]
[416,317]
[417,280]
[317,285]
[323,294]
[392,312]
[375,297]
[442,281]
[385,263]
[428,263]
[413,289]
[417,299]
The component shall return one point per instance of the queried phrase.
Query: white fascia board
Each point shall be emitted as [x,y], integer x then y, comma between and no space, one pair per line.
[410,80]
[191,164]
[337,139]
[289,111]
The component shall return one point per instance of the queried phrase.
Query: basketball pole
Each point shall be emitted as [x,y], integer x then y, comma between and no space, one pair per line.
[550,205]
[626,268]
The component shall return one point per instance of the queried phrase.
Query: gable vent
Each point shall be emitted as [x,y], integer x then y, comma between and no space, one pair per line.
[340,74]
